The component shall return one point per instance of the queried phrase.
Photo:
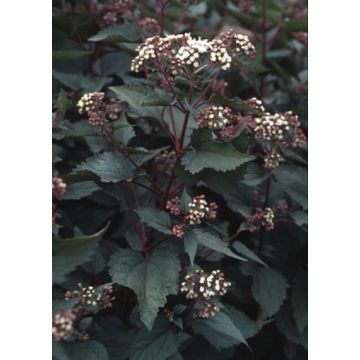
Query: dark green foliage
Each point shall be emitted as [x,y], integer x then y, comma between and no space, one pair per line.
[116,223]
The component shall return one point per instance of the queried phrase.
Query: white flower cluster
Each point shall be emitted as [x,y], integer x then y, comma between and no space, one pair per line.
[89,298]
[89,101]
[98,108]
[205,286]
[277,132]
[63,324]
[219,54]
[215,117]
[272,159]
[174,52]
[271,127]
[189,53]
[261,218]
[92,105]
[200,209]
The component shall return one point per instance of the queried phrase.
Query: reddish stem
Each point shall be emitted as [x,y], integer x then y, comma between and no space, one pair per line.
[124,152]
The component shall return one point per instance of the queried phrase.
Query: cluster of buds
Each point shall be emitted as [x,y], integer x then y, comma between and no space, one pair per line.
[176,54]
[237,44]
[124,4]
[58,189]
[262,218]
[113,11]
[255,103]
[149,26]
[89,299]
[169,314]
[227,125]
[165,161]
[178,230]
[276,133]
[204,286]
[58,186]
[245,5]
[173,206]
[109,18]
[63,324]
[271,159]
[92,105]
[206,289]
[209,309]
[97,108]
[198,210]
[283,129]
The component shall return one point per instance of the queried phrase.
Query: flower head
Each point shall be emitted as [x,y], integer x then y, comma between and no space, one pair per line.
[176,54]
[58,186]
[63,324]
[97,108]
[206,288]
[199,209]
[261,218]
[166,160]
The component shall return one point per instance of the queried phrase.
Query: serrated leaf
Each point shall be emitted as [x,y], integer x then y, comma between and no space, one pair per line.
[159,220]
[160,343]
[244,250]
[80,82]
[134,95]
[213,242]
[241,200]
[58,352]
[190,245]
[89,350]
[219,331]
[286,325]
[217,156]
[152,279]
[80,190]
[157,99]
[110,332]
[255,175]
[300,217]
[293,180]
[121,33]
[124,134]
[140,155]
[69,253]
[108,166]
[246,325]
[299,301]
[269,290]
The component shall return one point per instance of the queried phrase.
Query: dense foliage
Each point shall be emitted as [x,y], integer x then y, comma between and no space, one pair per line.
[179,179]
